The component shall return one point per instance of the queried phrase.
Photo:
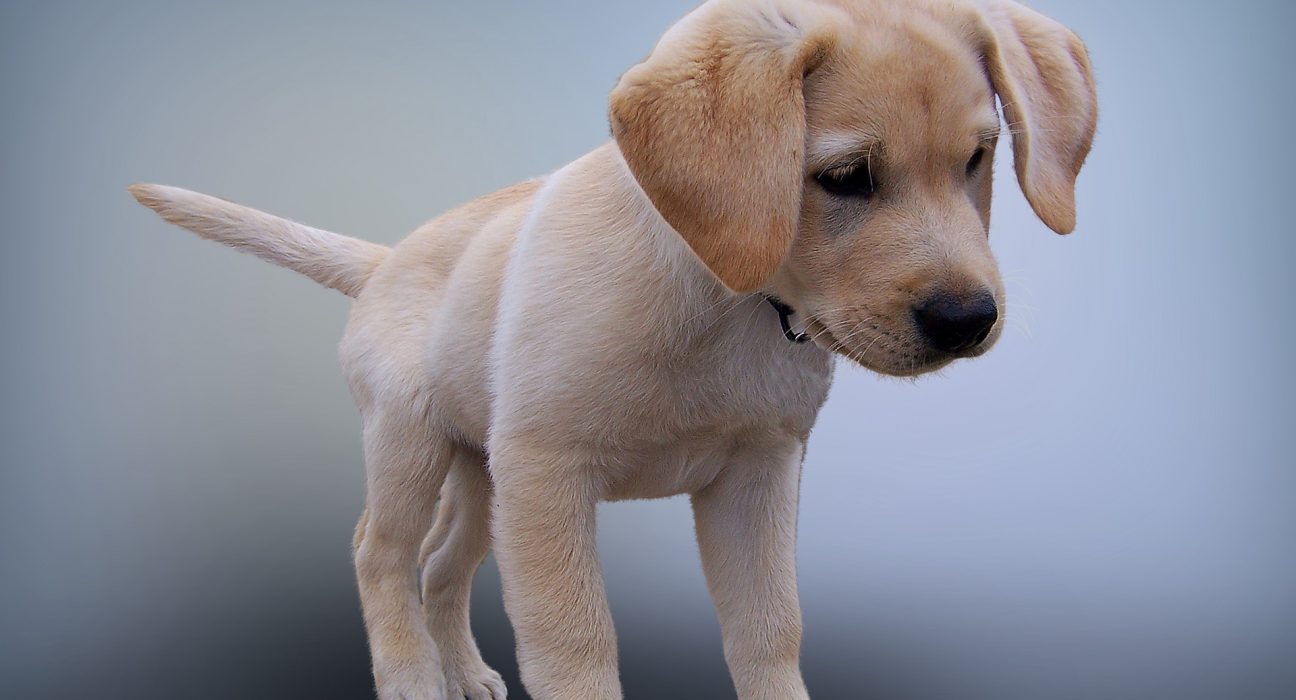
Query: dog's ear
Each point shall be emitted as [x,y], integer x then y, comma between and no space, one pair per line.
[712,125]
[1041,72]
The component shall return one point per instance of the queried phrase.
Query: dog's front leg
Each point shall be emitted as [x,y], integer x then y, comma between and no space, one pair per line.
[746,530]
[544,532]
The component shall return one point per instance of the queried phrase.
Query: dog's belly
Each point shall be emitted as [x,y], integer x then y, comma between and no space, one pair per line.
[686,465]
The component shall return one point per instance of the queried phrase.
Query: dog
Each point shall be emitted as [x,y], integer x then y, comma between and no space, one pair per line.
[787,180]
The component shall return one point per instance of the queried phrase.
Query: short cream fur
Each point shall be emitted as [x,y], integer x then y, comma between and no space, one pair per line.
[600,333]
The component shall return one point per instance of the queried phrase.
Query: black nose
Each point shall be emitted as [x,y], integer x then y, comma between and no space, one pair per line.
[953,323]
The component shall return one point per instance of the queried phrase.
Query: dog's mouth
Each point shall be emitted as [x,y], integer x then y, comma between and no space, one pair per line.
[870,345]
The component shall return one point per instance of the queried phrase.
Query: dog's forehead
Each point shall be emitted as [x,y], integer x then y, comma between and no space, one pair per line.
[908,80]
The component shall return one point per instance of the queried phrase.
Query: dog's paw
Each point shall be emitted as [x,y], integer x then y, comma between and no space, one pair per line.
[478,683]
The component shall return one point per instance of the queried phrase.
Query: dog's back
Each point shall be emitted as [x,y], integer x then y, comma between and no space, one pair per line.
[421,327]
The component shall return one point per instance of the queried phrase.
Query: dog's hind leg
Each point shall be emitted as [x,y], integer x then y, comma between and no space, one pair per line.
[452,552]
[406,463]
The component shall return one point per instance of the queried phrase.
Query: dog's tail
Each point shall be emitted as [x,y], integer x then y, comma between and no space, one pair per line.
[333,260]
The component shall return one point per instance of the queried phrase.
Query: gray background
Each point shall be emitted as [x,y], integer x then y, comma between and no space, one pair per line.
[1102,507]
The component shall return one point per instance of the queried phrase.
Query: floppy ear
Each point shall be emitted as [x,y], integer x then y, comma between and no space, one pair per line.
[1041,72]
[712,125]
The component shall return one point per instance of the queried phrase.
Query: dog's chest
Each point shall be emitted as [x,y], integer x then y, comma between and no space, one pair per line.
[692,418]
[662,414]
[667,453]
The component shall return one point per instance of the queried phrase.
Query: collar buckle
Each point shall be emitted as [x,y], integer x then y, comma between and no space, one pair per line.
[785,312]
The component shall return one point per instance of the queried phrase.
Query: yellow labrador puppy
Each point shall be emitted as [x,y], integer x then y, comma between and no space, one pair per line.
[635,324]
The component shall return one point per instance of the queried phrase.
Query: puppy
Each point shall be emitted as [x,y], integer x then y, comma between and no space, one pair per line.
[788,179]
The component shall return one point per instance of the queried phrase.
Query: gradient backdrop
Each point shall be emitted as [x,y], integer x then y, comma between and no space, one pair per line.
[1103,507]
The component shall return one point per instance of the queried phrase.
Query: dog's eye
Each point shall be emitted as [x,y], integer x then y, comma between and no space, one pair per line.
[850,181]
[975,162]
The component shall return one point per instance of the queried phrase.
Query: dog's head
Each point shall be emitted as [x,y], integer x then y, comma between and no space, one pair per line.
[838,154]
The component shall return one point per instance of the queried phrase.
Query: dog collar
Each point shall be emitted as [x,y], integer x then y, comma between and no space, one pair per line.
[785,312]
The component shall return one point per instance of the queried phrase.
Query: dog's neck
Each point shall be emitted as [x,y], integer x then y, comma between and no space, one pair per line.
[702,286]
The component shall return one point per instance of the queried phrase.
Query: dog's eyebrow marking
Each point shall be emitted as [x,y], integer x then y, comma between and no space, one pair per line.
[832,150]
[988,133]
